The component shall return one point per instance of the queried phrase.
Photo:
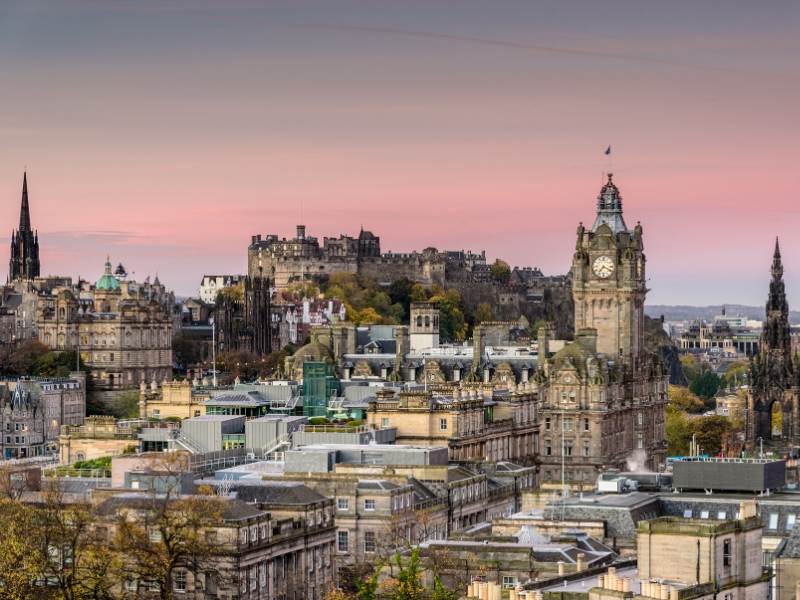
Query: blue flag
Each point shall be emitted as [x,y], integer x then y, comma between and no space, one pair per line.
[608,150]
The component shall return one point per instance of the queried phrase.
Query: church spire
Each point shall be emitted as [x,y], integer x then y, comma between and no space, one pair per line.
[24,210]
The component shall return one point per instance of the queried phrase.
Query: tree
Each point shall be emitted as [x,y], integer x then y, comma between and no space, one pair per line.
[418,293]
[705,385]
[683,399]
[736,374]
[483,313]
[409,586]
[187,351]
[19,554]
[73,553]
[691,367]
[452,324]
[710,432]
[20,360]
[169,533]
[500,271]
[676,431]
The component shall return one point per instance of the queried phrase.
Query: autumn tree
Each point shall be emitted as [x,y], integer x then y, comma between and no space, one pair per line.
[72,550]
[19,554]
[483,312]
[683,399]
[500,271]
[166,535]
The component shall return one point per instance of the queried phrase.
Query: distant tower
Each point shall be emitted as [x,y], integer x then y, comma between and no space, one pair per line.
[424,326]
[772,371]
[24,263]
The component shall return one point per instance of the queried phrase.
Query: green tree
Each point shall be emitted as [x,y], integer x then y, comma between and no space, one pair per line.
[409,586]
[500,271]
[705,386]
[440,592]
[452,324]
[187,351]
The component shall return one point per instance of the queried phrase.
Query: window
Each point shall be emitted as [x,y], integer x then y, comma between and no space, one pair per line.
[509,581]
[567,424]
[369,504]
[703,514]
[687,514]
[548,449]
[384,422]
[640,417]
[726,553]
[773,521]
[155,535]
[130,585]
[342,503]
[369,541]
[547,424]
[721,515]
[179,582]
[342,541]
[443,424]
[568,449]
[790,520]
[586,449]
[586,424]
[639,441]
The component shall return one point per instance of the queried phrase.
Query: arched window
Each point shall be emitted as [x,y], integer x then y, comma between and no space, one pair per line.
[419,321]
[427,321]
[62,313]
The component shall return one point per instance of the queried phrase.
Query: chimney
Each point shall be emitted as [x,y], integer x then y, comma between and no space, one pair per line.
[543,338]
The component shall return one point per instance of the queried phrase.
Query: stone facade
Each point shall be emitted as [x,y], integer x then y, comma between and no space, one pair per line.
[266,551]
[32,412]
[602,397]
[122,329]
[473,421]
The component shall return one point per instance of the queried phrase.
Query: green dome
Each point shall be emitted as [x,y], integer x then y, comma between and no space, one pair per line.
[107,282]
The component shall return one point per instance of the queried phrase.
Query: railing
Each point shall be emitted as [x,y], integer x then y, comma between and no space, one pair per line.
[70,472]
[336,428]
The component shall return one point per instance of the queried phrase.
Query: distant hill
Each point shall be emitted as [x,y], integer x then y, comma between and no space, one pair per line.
[688,313]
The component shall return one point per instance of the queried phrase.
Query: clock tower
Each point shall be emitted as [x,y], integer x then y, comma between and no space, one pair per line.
[608,279]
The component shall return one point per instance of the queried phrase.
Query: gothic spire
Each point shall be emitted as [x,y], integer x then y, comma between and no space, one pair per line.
[24,210]
[777,265]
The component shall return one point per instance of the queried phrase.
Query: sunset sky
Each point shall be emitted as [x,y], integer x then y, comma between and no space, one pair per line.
[165,133]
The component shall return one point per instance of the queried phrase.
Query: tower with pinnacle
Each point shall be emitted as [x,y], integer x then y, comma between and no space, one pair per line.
[24,262]
[773,388]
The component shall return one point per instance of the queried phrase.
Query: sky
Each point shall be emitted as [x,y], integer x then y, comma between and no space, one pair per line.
[165,133]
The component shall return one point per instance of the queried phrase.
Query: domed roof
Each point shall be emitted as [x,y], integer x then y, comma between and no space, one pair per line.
[107,283]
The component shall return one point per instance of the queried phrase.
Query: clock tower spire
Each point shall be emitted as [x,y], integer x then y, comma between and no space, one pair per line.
[608,279]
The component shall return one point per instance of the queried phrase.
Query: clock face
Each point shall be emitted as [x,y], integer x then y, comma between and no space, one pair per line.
[603,266]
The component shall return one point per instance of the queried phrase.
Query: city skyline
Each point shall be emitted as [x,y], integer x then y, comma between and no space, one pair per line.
[474,129]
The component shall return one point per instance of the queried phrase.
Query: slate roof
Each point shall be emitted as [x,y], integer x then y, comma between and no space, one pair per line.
[232,509]
[279,493]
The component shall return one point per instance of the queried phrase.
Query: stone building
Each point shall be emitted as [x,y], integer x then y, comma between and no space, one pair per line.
[122,329]
[32,412]
[266,550]
[602,397]
[24,261]
[475,422]
[772,403]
